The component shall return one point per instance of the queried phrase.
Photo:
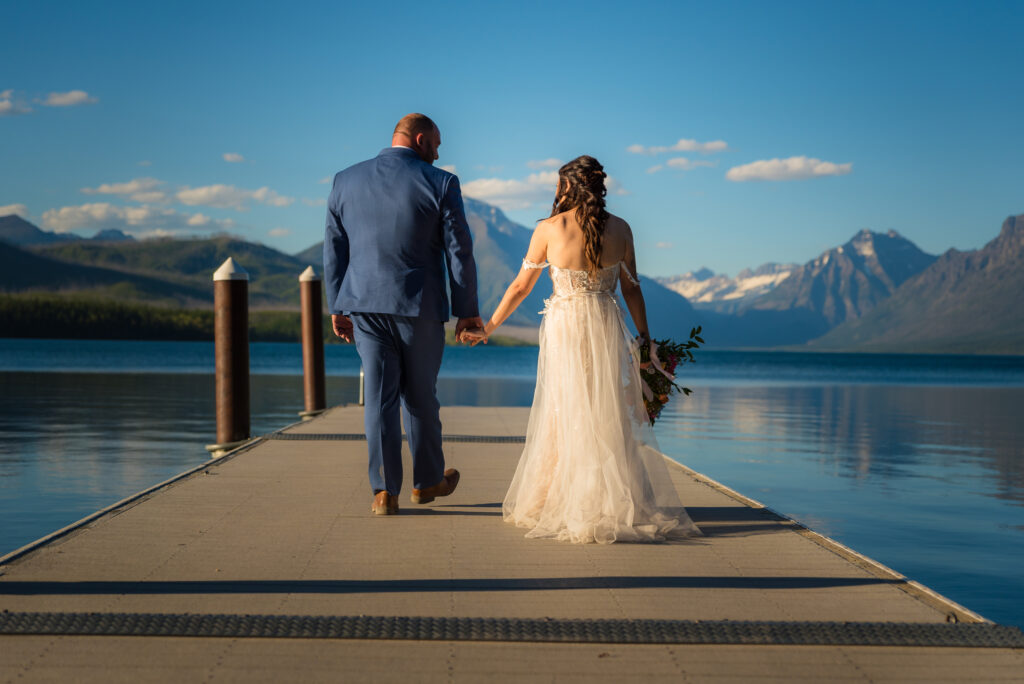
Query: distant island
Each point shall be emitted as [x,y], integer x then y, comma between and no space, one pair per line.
[878,292]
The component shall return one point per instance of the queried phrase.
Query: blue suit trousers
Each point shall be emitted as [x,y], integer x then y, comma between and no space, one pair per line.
[401,357]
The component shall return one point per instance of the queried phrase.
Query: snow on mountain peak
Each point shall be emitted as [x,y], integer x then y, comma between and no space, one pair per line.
[704,287]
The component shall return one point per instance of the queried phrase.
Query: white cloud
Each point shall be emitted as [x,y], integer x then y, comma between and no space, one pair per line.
[69,99]
[663,245]
[139,221]
[613,186]
[682,145]
[314,202]
[19,209]
[450,168]
[685,164]
[279,232]
[545,163]
[680,164]
[145,190]
[230,197]
[11,107]
[325,180]
[511,194]
[233,157]
[792,168]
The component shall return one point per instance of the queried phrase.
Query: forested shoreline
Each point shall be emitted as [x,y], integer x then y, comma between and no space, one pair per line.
[48,316]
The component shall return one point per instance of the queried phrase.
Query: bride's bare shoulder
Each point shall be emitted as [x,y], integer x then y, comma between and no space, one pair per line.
[617,226]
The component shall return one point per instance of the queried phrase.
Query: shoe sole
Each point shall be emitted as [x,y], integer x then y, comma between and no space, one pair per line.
[420,499]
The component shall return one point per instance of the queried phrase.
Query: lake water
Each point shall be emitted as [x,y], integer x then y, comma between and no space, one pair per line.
[915,461]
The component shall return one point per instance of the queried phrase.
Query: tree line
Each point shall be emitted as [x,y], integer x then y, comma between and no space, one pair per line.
[48,316]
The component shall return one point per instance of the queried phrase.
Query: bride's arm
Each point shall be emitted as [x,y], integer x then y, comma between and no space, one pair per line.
[524,281]
[630,283]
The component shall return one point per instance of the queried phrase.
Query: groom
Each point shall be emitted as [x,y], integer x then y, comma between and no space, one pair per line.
[395,224]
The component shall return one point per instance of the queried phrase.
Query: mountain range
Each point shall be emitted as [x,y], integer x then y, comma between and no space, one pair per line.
[878,291]
[706,289]
[964,302]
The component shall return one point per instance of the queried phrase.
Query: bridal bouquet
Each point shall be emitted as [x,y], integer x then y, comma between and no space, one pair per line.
[658,362]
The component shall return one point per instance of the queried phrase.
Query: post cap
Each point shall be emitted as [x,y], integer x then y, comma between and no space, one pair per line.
[229,270]
[308,275]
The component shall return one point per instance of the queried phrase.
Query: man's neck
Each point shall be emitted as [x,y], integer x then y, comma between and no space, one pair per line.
[404,147]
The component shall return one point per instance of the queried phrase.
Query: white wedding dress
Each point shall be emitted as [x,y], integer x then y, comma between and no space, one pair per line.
[591,470]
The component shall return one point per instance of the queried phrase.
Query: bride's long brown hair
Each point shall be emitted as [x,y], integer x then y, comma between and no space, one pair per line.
[581,187]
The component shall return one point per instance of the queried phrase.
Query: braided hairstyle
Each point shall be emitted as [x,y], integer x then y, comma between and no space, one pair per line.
[581,187]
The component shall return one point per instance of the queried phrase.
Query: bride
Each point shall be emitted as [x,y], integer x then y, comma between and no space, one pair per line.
[591,470]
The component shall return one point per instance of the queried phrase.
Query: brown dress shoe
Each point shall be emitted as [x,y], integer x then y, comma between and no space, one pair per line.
[384,503]
[445,487]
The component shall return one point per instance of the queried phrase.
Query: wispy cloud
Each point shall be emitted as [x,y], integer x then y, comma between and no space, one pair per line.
[792,168]
[663,245]
[682,145]
[145,190]
[233,157]
[325,180]
[71,98]
[9,209]
[11,106]
[450,168]
[310,202]
[138,221]
[551,163]
[279,232]
[153,191]
[229,197]
[681,164]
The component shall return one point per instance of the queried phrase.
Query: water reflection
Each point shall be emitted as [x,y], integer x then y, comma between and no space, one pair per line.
[927,479]
[864,431]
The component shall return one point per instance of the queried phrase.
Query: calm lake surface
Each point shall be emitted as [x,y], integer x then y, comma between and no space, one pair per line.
[915,461]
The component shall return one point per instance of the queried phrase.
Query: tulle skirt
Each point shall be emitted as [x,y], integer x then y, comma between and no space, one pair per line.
[591,470]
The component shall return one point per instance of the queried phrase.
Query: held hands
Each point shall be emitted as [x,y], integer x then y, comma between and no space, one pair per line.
[342,326]
[464,325]
[474,336]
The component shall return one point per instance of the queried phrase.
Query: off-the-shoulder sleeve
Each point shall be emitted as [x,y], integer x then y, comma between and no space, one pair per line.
[529,265]
[629,276]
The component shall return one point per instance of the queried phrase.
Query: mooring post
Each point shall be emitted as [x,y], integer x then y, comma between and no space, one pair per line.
[231,349]
[312,343]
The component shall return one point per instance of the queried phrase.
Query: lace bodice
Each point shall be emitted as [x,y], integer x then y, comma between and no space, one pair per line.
[568,281]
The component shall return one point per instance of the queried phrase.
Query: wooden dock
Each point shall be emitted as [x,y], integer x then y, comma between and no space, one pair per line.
[194,580]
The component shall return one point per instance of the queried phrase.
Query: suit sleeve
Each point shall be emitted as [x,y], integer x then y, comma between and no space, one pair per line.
[458,253]
[335,254]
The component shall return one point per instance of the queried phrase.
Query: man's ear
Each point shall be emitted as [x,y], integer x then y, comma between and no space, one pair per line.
[418,140]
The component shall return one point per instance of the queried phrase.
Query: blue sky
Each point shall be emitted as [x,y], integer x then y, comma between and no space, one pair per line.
[784,127]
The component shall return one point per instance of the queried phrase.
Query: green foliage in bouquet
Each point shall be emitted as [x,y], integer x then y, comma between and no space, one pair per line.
[662,384]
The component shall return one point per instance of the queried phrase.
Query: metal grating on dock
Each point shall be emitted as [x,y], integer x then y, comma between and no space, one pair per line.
[358,437]
[514,629]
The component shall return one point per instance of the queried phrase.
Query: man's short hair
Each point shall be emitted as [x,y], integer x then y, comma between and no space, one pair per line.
[414,124]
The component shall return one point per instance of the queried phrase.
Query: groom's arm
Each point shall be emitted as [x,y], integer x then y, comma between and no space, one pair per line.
[336,254]
[458,253]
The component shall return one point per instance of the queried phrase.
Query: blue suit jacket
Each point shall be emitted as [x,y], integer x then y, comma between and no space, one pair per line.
[394,223]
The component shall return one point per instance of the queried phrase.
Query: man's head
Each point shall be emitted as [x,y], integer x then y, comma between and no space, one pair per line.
[420,133]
